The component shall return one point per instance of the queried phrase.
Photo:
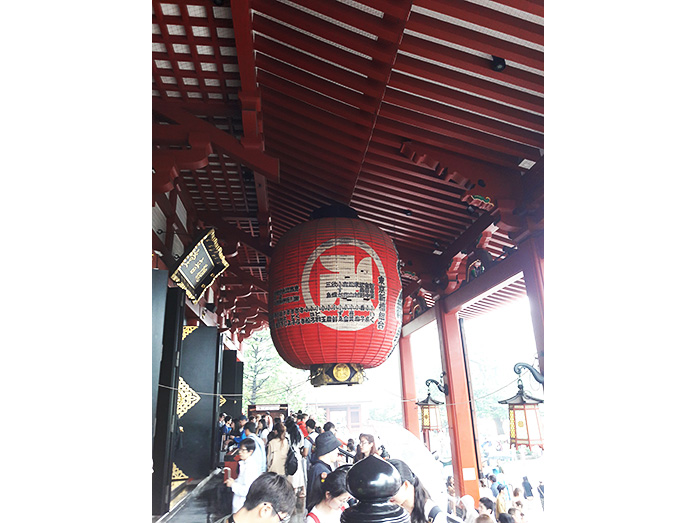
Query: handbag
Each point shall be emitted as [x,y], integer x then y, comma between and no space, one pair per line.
[291,462]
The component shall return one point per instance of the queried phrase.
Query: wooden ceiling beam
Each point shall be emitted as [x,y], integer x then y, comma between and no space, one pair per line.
[526,108]
[497,185]
[454,144]
[459,223]
[298,173]
[423,188]
[464,61]
[341,153]
[298,197]
[380,27]
[488,18]
[279,104]
[477,41]
[378,190]
[254,159]
[234,234]
[399,221]
[382,155]
[315,83]
[293,91]
[455,130]
[468,119]
[322,29]
[315,66]
[311,130]
[326,52]
[417,218]
[315,163]
[471,103]
[535,7]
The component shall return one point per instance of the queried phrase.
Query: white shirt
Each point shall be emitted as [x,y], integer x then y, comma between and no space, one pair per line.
[249,471]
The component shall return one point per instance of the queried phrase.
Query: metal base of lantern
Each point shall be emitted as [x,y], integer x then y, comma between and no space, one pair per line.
[336,374]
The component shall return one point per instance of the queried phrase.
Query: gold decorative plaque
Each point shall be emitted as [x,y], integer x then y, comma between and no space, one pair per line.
[186,398]
[188,330]
[177,474]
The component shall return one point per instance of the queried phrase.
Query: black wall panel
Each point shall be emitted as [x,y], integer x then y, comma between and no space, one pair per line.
[197,369]
[167,401]
[231,383]
[159,299]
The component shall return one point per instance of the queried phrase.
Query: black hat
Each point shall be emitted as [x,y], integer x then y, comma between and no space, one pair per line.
[325,443]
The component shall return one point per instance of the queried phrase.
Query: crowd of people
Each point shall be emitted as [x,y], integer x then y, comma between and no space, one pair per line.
[313,462]
[498,500]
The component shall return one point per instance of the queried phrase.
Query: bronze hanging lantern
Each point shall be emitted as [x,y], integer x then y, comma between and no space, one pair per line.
[430,411]
[524,416]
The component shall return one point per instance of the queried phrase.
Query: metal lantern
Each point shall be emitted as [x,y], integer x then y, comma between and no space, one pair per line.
[335,296]
[524,419]
[430,411]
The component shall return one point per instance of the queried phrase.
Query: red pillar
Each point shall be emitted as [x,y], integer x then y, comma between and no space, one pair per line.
[409,408]
[533,271]
[458,405]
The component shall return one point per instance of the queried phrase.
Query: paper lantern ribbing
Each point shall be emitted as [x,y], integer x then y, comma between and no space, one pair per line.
[335,298]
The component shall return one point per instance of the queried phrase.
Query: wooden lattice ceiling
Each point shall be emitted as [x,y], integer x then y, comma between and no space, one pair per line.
[264,110]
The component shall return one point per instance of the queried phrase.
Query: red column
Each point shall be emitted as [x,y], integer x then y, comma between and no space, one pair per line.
[458,406]
[409,408]
[533,271]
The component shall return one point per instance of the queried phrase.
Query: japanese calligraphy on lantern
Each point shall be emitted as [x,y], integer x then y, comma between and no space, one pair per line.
[342,286]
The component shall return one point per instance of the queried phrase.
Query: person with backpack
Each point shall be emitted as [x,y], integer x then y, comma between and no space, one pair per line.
[413,497]
[327,451]
[295,439]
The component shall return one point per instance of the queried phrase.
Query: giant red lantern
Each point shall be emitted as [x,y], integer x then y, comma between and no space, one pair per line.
[335,296]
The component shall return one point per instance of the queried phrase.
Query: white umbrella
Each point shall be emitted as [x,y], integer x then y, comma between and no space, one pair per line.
[403,445]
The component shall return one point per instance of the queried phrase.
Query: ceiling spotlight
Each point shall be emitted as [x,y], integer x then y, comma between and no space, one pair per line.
[498,64]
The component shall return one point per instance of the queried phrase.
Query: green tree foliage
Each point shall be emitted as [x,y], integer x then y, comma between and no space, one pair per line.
[269,379]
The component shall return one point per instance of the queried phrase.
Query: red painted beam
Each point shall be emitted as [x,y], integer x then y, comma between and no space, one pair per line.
[381,27]
[416,219]
[454,144]
[323,29]
[469,62]
[378,190]
[313,131]
[473,104]
[488,18]
[314,161]
[233,234]
[242,23]
[316,84]
[354,81]
[465,118]
[453,130]
[535,7]
[347,156]
[477,41]
[254,159]
[379,154]
[293,92]
[277,103]
[267,27]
